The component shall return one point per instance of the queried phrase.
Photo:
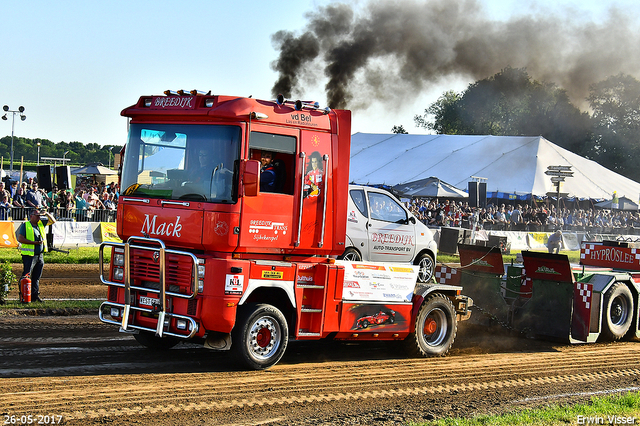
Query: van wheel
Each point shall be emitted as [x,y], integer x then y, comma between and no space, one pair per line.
[351,255]
[618,312]
[427,266]
[260,336]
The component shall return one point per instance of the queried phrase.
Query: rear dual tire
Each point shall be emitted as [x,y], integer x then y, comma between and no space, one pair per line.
[436,328]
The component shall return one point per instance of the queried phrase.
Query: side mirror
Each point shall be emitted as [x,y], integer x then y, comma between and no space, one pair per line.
[412,219]
[250,177]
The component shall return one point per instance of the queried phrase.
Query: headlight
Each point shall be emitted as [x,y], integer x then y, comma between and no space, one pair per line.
[118,259]
[118,274]
[115,312]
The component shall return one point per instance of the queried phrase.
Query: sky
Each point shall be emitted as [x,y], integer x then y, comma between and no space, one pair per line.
[75,65]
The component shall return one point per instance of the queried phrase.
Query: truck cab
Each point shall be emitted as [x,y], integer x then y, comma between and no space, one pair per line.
[381,229]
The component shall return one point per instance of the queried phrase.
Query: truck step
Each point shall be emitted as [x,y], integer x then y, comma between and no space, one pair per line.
[309,286]
[310,310]
[307,334]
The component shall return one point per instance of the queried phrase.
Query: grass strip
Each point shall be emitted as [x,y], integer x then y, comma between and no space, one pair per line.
[602,410]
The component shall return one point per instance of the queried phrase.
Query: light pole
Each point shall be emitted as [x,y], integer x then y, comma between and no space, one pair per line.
[4,117]
[38,153]
[63,158]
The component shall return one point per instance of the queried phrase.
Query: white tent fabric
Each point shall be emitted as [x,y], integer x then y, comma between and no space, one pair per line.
[430,187]
[511,164]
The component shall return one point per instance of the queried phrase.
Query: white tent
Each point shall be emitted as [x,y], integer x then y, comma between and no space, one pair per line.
[511,164]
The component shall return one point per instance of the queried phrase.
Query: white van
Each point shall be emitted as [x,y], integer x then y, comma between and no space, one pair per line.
[381,229]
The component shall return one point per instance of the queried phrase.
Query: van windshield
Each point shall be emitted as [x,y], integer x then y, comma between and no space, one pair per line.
[182,161]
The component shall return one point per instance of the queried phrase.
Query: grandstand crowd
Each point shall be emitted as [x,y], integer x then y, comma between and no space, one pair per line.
[88,202]
[517,217]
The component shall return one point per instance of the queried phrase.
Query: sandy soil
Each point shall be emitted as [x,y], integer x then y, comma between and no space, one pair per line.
[80,371]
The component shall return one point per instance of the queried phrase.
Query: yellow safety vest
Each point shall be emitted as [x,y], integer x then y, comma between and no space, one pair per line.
[29,249]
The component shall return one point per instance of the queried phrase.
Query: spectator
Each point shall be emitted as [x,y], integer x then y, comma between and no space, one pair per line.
[35,197]
[4,206]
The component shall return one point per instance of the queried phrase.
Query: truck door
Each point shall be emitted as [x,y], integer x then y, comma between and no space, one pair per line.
[391,234]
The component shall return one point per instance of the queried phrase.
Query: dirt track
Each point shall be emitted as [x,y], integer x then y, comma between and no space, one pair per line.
[88,373]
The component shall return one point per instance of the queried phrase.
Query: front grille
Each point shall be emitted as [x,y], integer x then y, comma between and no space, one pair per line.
[145,272]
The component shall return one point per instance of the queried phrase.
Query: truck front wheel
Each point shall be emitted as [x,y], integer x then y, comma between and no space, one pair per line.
[618,312]
[436,328]
[260,336]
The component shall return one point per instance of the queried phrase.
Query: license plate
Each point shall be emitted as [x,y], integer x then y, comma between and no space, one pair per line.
[149,301]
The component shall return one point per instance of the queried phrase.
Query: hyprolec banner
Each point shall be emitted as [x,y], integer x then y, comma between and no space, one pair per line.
[72,234]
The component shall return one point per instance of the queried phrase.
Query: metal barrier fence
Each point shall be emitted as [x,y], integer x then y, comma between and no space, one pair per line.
[77,215]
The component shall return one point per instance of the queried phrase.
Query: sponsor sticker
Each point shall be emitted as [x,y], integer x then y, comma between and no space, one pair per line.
[234,284]
[273,275]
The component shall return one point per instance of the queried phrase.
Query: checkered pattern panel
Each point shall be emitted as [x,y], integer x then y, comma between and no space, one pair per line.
[446,275]
[585,292]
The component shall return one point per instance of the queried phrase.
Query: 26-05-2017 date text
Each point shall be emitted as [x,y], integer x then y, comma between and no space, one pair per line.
[31,419]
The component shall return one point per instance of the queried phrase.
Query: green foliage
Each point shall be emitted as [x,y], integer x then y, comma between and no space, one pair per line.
[7,278]
[616,115]
[79,153]
[399,129]
[511,103]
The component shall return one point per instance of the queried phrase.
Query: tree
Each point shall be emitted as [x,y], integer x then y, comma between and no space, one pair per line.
[615,103]
[510,103]
[399,129]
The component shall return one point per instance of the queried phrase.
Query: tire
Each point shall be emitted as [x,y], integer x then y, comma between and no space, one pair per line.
[351,255]
[154,342]
[260,336]
[617,313]
[438,312]
[427,267]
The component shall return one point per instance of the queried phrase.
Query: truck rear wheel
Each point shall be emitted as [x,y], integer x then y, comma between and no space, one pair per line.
[151,341]
[618,312]
[427,266]
[260,336]
[436,328]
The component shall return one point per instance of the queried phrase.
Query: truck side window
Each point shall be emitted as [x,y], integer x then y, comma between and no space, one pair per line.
[357,195]
[277,155]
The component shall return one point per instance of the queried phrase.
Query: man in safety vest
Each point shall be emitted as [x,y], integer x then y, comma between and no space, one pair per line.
[33,242]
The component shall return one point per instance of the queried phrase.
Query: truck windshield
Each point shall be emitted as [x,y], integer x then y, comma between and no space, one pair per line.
[181,161]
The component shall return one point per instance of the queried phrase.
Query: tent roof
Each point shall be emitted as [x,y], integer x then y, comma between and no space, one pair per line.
[429,187]
[511,164]
[94,169]
[623,204]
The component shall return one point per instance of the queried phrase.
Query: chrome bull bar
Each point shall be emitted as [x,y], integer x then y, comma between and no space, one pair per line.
[161,310]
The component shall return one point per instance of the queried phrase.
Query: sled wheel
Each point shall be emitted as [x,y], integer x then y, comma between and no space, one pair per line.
[351,255]
[151,341]
[260,336]
[618,312]
[427,266]
[436,328]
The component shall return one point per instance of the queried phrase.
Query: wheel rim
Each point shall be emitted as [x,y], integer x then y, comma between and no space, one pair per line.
[619,311]
[352,256]
[426,268]
[434,328]
[265,337]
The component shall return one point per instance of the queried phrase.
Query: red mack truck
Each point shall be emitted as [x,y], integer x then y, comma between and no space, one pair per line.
[232,211]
